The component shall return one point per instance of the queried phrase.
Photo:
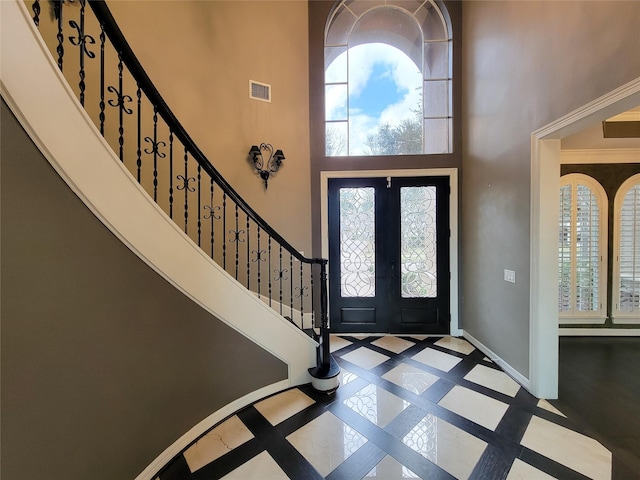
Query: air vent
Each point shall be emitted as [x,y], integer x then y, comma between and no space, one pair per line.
[259,91]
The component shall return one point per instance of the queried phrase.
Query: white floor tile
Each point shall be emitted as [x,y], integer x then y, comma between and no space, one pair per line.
[225,437]
[336,343]
[523,471]
[376,404]
[262,466]
[365,358]
[411,378]
[580,453]
[478,408]
[390,469]
[278,408]
[393,344]
[436,359]
[550,408]
[449,447]
[347,376]
[326,442]
[494,379]
[456,344]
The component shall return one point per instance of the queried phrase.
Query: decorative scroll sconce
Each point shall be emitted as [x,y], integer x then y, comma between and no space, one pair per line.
[268,167]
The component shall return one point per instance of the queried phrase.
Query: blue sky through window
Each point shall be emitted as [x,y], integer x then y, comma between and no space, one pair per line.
[379,92]
[384,86]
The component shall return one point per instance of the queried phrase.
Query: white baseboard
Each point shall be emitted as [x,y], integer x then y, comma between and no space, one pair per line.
[201,428]
[508,369]
[599,332]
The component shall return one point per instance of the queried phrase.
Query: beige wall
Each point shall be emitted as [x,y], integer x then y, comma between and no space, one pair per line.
[201,56]
[104,363]
[525,65]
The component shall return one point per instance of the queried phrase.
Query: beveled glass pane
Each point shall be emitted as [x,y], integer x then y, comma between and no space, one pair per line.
[340,28]
[336,134]
[436,135]
[336,97]
[335,60]
[436,60]
[629,247]
[418,246]
[357,242]
[436,98]
[433,26]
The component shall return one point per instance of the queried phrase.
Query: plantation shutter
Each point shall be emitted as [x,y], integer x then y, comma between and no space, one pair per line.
[629,252]
[580,249]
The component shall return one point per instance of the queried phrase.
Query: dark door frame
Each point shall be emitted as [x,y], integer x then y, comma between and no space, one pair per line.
[452,173]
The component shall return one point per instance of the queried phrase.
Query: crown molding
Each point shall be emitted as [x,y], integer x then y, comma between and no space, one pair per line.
[604,155]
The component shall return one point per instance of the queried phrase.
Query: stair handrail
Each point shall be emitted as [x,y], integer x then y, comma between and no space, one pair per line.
[112,30]
[126,56]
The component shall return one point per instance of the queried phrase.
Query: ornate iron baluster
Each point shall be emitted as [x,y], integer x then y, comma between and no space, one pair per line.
[258,255]
[212,215]
[269,270]
[236,240]
[199,205]
[280,273]
[291,283]
[211,207]
[186,179]
[248,256]
[171,174]
[155,150]
[81,42]
[57,11]
[102,104]
[36,12]
[121,99]
[224,231]
[301,298]
[139,149]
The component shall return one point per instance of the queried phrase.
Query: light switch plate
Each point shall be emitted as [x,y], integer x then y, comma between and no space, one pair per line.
[509,276]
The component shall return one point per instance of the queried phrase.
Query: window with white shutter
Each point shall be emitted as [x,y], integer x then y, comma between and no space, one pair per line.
[626,287]
[582,250]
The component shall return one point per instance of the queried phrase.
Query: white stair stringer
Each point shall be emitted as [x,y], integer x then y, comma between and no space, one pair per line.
[39,96]
[45,105]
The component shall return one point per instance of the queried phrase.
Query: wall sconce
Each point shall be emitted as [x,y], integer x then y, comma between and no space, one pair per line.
[271,166]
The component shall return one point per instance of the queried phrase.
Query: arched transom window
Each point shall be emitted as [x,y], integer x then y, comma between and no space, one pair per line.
[388,78]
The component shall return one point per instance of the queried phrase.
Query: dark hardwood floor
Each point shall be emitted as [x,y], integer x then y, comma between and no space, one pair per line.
[600,386]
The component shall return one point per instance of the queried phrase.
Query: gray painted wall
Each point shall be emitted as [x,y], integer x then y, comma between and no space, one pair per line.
[525,65]
[104,363]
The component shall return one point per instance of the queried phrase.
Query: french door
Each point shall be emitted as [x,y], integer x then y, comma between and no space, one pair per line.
[389,254]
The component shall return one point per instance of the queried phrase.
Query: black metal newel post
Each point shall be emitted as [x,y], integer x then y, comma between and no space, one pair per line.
[324,318]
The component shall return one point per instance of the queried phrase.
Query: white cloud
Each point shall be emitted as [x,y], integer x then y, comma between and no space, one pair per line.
[362,59]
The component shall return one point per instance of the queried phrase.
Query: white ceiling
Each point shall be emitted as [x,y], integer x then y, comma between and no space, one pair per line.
[592,137]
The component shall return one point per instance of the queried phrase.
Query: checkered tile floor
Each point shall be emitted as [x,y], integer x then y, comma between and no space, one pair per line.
[407,407]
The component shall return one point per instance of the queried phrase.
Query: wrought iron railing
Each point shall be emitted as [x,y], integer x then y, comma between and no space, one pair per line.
[114,89]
